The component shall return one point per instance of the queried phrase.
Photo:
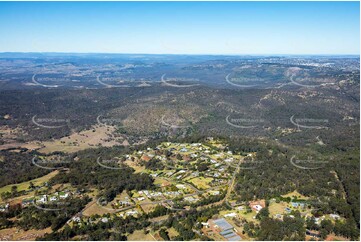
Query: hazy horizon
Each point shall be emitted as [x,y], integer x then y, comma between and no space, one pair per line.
[192,28]
[195,54]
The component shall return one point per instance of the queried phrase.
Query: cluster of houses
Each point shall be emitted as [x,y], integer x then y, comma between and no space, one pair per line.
[191,199]
[131,212]
[52,198]
[149,194]
[167,152]
[79,218]
[43,199]
[126,202]
[156,195]
[217,160]
[302,205]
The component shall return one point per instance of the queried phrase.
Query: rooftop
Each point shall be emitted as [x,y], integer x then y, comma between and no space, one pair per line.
[222,224]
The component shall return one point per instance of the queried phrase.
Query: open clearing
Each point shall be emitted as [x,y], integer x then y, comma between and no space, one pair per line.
[96,209]
[149,207]
[277,208]
[201,182]
[25,185]
[172,233]
[133,165]
[161,181]
[295,194]
[97,136]
[18,234]
[138,235]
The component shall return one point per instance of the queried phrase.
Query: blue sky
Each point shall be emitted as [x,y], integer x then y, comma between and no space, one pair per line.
[181,27]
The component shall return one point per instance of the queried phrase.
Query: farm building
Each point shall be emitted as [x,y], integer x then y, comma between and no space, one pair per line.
[225,229]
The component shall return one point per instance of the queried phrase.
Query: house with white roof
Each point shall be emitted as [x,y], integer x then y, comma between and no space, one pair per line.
[180,186]
[231,215]
[335,216]
[257,207]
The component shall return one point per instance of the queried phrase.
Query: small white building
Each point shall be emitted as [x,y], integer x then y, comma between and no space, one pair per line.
[124,202]
[43,199]
[190,199]
[240,208]
[132,212]
[257,207]
[76,219]
[180,186]
[231,215]
[65,195]
[205,224]
[215,192]
[335,216]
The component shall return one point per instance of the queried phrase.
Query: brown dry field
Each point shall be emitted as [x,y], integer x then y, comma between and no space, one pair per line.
[97,135]
[19,234]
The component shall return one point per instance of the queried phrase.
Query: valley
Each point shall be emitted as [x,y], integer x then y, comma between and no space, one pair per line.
[166,148]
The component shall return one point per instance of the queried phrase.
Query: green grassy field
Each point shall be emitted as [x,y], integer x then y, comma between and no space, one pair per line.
[277,208]
[139,235]
[201,182]
[295,194]
[25,185]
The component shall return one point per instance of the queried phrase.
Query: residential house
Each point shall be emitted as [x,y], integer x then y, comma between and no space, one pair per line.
[231,215]
[335,216]
[257,207]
